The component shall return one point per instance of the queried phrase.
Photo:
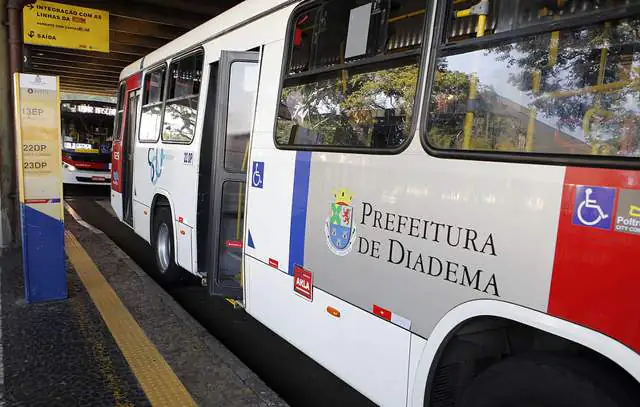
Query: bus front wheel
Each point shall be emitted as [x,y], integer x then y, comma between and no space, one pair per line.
[546,381]
[163,245]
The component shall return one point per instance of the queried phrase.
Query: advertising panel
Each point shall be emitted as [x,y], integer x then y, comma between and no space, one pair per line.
[65,26]
[39,161]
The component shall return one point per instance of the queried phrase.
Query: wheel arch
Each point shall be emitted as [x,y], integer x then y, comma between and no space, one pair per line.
[597,342]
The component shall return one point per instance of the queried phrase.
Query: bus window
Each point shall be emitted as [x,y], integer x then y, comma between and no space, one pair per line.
[570,91]
[181,110]
[120,109]
[152,105]
[231,230]
[351,74]
[239,115]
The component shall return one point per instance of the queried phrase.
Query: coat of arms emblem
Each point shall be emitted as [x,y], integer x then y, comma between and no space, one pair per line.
[339,227]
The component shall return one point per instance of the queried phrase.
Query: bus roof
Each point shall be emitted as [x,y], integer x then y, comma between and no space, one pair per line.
[226,21]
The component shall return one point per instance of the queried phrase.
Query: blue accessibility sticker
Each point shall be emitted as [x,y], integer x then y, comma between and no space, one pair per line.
[257,174]
[593,207]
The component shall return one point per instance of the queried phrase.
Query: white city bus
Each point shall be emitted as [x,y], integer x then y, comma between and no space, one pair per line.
[439,201]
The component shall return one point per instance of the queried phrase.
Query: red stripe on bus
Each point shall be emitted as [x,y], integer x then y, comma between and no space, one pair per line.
[595,271]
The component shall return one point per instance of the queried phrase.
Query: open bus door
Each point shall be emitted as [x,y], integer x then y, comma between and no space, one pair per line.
[123,147]
[128,150]
[236,90]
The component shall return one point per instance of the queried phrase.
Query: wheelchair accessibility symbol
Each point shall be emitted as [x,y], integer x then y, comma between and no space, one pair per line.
[257,174]
[594,207]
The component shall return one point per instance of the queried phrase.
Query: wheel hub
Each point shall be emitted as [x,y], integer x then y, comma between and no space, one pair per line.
[163,247]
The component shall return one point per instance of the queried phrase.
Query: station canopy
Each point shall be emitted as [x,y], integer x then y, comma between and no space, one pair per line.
[135,28]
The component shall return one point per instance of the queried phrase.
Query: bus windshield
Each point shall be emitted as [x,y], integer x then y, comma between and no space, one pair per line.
[87,127]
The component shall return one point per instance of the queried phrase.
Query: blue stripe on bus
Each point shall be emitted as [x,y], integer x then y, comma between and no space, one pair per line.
[299,209]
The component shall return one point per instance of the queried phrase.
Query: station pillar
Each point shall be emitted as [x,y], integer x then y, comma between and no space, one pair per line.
[8,196]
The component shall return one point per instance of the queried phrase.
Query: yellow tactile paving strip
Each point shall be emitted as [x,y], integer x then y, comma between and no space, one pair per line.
[159,382]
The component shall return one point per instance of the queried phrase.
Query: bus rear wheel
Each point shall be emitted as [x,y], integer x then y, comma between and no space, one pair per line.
[163,246]
[545,381]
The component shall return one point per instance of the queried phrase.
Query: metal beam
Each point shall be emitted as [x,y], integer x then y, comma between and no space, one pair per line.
[76,66]
[74,89]
[134,39]
[97,62]
[83,85]
[70,71]
[206,7]
[80,78]
[144,28]
[104,91]
[71,53]
[173,16]
[126,49]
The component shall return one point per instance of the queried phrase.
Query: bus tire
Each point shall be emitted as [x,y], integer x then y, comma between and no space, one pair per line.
[163,246]
[545,381]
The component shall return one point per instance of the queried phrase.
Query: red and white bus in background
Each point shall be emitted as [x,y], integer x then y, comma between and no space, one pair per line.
[439,201]
[87,136]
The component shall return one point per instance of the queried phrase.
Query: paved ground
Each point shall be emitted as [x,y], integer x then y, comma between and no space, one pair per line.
[60,354]
[212,374]
[299,380]
[64,354]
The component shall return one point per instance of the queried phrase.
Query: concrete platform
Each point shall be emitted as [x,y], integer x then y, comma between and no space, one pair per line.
[119,339]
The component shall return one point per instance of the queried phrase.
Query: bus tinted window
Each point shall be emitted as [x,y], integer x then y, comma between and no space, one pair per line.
[243,80]
[572,91]
[153,86]
[465,19]
[184,76]
[152,105]
[181,109]
[120,109]
[352,73]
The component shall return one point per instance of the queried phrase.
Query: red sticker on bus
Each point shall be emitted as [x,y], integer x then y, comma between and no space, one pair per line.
[303,282]
[381,312]
[234,244]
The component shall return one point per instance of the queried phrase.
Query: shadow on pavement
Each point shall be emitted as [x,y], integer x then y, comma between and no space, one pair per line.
[299,380]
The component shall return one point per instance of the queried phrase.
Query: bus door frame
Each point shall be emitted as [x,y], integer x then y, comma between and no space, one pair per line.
[133,92]
[220,175]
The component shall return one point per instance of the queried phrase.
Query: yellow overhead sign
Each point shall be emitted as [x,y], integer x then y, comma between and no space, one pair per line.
[61,25]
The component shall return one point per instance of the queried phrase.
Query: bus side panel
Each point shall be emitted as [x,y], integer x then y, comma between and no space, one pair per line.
[116,203]
[365,351]
[416,235]
[159,169]
[362,349]
[141,219]
[269,206]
